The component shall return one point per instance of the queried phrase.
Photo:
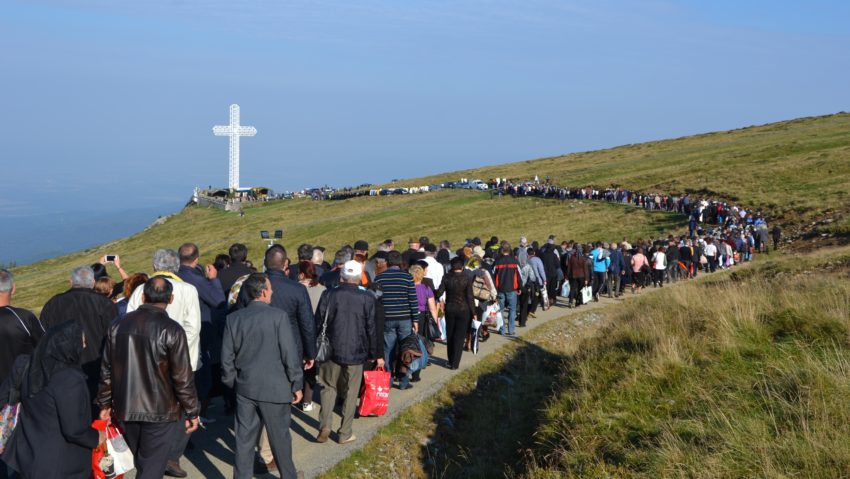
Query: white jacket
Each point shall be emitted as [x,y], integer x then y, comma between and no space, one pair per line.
[435,271]
[185,310]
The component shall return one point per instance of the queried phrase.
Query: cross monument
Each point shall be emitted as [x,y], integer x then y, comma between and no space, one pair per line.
[234,130]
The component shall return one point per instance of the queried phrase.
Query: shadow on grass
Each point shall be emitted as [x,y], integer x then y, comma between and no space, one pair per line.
[490,424]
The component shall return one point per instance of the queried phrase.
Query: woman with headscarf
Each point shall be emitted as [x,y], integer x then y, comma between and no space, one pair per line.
[54,438]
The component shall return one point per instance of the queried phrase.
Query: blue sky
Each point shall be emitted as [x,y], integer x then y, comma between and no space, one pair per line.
[110,103]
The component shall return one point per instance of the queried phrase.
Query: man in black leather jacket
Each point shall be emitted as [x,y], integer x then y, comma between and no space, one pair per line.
[147,381]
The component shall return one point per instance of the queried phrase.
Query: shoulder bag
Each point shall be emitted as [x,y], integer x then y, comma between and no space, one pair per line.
[481,290]
[324,351]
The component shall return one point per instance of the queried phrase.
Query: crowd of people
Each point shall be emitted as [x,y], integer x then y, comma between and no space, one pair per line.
[149,351]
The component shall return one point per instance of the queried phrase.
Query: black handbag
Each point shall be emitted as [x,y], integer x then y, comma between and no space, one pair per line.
[324,351]
[433,329]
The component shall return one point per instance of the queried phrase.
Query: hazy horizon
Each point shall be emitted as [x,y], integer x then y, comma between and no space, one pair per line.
[111,104]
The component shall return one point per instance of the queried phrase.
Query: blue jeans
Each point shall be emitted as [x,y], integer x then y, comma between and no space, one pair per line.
[394,331]
[510,299]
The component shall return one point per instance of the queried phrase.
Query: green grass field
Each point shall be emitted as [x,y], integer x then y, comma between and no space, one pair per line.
[794,170]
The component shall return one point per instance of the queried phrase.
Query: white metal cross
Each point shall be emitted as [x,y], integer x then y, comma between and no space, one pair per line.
[234,131]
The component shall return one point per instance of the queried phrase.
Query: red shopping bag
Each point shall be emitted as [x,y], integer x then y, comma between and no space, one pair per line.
[375,394]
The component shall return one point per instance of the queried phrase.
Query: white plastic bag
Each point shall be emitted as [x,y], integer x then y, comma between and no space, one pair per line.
[122,458]
[476,325]
[443,336]
[565,290]
[493,316]
[586,295]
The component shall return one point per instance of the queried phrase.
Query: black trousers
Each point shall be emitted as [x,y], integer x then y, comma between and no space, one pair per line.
[178,443]
[310,379]
[250,415]
[598,282]
[180,438]
[150,443]
[458,323]
[533,296]
[552,290]
[523,301]
[575,290]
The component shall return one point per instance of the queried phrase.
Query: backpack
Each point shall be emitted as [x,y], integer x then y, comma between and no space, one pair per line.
[480,290]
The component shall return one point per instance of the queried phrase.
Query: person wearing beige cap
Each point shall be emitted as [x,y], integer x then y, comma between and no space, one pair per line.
[413,253]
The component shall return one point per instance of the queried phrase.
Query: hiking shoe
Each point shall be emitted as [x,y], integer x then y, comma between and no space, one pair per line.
[323,436]
[261,467]
[348,439]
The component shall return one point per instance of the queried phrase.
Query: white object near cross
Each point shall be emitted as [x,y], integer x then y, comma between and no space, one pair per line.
[234,131]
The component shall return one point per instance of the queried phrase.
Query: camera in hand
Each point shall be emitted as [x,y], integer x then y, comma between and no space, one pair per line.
[110,258]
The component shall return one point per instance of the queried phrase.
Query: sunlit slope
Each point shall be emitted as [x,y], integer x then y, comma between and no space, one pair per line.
[795,170]
[452,215]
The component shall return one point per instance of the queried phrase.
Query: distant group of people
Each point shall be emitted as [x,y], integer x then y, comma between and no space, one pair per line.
[149,351]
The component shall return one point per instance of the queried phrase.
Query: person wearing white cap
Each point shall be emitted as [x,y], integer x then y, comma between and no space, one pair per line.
[346,315]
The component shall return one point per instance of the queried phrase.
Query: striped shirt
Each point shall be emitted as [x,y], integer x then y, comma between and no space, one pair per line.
[399,294]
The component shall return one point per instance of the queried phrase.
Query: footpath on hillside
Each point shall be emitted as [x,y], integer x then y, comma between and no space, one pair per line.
[211,456]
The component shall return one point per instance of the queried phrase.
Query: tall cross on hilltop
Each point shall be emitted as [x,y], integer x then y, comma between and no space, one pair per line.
[234,130]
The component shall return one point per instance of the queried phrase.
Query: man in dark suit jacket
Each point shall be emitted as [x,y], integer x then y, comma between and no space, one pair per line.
[237,269]
[94,313]
[260,359]
[292,297]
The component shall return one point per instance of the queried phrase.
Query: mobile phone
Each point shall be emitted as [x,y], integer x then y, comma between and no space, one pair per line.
[110,258]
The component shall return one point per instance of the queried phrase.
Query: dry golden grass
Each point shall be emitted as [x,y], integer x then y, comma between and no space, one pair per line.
[736,376]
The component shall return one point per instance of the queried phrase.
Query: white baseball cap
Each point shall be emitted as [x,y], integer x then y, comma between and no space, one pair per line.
[352,268]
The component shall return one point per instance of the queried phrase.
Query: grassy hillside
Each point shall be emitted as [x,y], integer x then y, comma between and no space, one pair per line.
[741,376]
[738,374]
[452,215]
[796,171]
